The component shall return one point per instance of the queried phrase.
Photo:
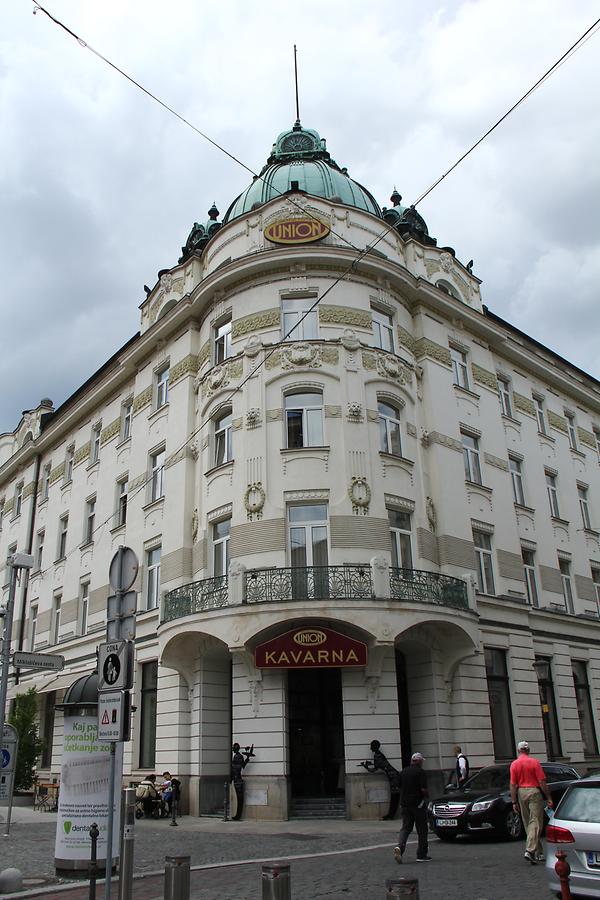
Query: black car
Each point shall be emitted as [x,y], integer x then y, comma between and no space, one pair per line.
[483,803]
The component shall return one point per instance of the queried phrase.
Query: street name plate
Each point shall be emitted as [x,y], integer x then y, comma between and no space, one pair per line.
[50,662]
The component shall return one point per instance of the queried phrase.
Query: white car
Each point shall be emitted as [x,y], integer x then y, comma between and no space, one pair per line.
[575,828]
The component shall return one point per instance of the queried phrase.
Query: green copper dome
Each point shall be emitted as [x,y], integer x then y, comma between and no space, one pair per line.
[299,161]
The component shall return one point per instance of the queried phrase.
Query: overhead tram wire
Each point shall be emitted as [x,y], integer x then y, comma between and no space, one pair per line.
[361,254]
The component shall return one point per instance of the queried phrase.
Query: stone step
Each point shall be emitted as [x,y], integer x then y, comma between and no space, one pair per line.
[318,808]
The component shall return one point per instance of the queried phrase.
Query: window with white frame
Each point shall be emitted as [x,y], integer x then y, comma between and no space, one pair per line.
[304,419]
[1,512]
[584,506]
[596,580]
[597,437]
[84,606]
[551,486]
[55,621]
[39,549]
[63,527]
[471,457]
[459,367]
[530,576]
[222,341]
[383,330]
[572,430]
[308,535]
[69,462]
[223,438]
[33,615]
[299,321]
[18,502]
[95,443]
[389,428]
[401,538]
[157,475]
[504,396]
[220,547]
[45,492]
[540,414]
[161,387]
[516,476]
[567,583]
[126,419]
[122,491]
[153,577]
[88,520]
[485,568]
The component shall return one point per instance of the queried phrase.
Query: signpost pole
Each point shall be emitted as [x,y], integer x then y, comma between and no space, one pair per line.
[111,816]
[5,655]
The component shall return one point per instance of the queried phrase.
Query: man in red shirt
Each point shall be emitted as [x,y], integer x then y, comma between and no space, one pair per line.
[528,784]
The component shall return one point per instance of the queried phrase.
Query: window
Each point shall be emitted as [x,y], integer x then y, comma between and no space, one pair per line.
[552,495]
[539,414]
[299,321]
[572,430]
[88,521]
[304,419]
[18,500]
[126,417]
[122,488]
[504,396]
[223,446]
[597,436]
[33,614]
[222,341]
[69,460]
[84,603]
[584,708]
[400,533]
[485,571]
[95,443]
[220,549]
[471,458]
[543,669]
[45,492]
[153,585]
[567,584]
[596,580]
[157,475]
[161,381]
[63,525]
[39,549]
[55,626]
[459,367]
[500,708]
[530,576]
[584,506]
[148,695]
[308,543]
[383,330]
[1,512]
[516,477]
[389,429]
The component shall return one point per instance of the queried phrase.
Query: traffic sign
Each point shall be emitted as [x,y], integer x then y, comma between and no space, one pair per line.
[115,666]
[113,716]
[49,661]
[8,756]
[123,569]
[120,616]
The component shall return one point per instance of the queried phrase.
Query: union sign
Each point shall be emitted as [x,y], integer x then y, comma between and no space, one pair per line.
[310,647]
[296,231]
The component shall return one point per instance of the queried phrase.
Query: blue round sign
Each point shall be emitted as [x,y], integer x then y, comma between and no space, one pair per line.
[5,758]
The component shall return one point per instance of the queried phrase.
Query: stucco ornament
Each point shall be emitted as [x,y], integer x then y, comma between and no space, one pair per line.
[300,355]
[390,367]
[349,340]
[253,417]
[194,526]
[360,495]
[254,500]
[446,262]
[253,346]
[217,377]
[431,515]
[166,282]
[355,412]
[194,450]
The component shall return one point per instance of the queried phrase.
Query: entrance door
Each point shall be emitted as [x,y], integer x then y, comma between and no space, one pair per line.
[316,732]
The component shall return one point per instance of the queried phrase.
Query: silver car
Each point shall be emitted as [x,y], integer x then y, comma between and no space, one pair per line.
[575,828]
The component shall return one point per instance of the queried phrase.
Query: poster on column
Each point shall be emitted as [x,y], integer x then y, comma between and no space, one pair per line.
[83,797]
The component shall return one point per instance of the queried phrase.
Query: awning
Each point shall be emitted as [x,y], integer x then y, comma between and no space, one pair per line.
[45,683]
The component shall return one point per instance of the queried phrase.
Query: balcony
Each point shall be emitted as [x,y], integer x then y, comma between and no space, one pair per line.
[316,583]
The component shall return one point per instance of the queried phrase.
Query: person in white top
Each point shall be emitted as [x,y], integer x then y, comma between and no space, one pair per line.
[462,766]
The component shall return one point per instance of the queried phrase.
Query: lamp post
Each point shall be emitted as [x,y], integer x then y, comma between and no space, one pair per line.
[15,563]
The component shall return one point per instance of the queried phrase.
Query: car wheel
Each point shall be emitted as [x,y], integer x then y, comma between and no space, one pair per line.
[446,836]
[513,826]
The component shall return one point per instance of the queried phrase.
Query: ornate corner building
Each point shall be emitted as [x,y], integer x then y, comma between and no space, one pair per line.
[365,507]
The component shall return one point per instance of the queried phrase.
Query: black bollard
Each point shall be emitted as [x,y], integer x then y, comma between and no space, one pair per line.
[174,810]
[226,802]
[93,869]
[402,887]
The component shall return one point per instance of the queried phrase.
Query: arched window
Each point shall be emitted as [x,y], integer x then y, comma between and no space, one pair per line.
[304,419]
[222,438]
[389,428]
[448,288]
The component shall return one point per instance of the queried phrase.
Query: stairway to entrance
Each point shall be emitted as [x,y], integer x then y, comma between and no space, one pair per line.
[318,808]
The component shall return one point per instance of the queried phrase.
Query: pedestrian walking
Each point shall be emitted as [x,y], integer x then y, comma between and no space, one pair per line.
[413,802]
[527,791]
[462,766]
[381,762]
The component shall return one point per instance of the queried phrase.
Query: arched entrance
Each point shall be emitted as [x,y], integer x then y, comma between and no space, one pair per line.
[315,732]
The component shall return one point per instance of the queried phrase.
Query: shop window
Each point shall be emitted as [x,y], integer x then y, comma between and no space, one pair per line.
[543,669]
[500,706]
[148,698]
[584,708]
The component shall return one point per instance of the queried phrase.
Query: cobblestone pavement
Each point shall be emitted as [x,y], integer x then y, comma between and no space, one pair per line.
[335,860]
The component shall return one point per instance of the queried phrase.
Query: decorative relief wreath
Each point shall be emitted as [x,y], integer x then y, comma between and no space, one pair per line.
[359,493]
[254,499]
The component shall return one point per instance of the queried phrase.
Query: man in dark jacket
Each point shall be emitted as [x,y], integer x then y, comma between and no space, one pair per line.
[413,801]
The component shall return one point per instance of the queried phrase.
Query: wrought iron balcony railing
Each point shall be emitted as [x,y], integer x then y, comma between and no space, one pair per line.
[352,582]
[416,585]
[199,596]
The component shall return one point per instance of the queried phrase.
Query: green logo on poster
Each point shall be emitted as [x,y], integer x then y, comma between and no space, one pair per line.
[67,827]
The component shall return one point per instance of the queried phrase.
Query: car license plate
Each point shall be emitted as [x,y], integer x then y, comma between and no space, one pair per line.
[593,859]
[446,823]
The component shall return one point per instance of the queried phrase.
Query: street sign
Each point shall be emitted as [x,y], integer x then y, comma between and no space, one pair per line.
[123,569]
[113,716]
[115,666]
[8,756]
[49,661]
[120,616]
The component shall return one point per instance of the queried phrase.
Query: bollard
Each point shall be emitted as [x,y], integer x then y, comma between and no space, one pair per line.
[276,882]
[563,870]
[93,869]
[402,887]
[127,843]
[177,878]
[226,802]
[174,809]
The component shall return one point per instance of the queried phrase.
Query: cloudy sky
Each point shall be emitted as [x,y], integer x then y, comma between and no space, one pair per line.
[99,186]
